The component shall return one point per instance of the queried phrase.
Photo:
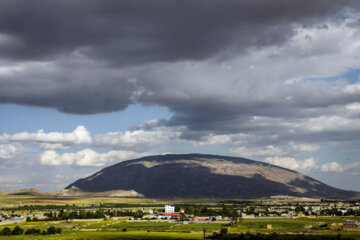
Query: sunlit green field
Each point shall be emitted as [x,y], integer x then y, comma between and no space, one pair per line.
[20,200]
[114,235]
[115,229]
[123,229]
[108,229]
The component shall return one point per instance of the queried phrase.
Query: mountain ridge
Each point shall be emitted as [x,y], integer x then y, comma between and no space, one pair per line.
[206,176]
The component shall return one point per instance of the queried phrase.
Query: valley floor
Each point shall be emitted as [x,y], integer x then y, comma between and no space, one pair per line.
[122,229]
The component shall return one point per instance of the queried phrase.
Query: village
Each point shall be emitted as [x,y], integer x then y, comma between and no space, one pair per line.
[222,212]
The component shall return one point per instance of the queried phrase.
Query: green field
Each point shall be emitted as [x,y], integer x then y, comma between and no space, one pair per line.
[112,229]
[7,201]
[123,229]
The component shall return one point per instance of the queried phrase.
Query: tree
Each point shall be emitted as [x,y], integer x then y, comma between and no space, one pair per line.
[299,208]
[51,230]
[33,231]
[226,211]
[6,232]
[223,231]
[190,210]
[17,231]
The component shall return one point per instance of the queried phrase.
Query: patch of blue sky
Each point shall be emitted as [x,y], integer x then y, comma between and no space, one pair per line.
[16,118]
[331,152]
[351,75]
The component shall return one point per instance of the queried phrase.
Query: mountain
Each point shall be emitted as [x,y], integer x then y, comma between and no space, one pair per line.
[73,192]
[206,176]
[27,192]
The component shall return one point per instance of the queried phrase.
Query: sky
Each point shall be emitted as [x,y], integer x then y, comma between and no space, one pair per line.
[86,84]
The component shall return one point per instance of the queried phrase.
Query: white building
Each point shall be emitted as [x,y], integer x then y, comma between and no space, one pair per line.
[169,209]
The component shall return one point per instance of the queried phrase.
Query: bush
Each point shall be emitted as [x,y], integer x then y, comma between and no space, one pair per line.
[33,231]
[5,232]
[17,231]
[51,230]
[223,231]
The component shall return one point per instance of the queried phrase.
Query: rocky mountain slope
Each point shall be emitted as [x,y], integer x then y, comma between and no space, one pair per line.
[206,176]
[76,192]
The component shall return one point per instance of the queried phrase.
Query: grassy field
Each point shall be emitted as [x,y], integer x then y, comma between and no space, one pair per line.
[113,235]
[123,229]
[107,229]
[7,201]
[113,229]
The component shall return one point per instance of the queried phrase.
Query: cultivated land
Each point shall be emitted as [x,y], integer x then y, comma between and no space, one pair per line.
[123,228]
[10,201]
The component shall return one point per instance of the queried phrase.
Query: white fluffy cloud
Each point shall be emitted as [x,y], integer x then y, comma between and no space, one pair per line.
[331,167]
[355,106]
[292,163]
[9,150]
[86,157]
[307,164]
[136,139]
[51,140]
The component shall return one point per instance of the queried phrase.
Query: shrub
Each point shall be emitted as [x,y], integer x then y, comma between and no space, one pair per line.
[223,231]
[17,231]
[51,230]
[33,231]
[6,232]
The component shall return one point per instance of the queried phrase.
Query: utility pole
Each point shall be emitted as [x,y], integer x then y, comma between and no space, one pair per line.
[204,233]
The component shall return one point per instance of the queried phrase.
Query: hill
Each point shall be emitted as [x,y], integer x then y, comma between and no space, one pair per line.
[72,192]
[206,176]
[25,192]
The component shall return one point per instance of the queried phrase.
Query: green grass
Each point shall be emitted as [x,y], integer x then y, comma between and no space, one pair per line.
[112,229]
[298,225]
[10,201]
[113,235]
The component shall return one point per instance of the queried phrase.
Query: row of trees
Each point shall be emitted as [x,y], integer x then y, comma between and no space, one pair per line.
[19,231]
[88,214]
[75,214]
[16,231]
[337,212]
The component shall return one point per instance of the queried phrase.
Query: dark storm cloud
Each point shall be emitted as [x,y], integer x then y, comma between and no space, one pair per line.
[136,32]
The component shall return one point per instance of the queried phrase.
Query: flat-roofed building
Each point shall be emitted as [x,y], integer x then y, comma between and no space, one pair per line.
[169,209]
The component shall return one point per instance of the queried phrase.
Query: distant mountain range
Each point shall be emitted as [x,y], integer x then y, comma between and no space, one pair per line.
[73,192]
[205,176]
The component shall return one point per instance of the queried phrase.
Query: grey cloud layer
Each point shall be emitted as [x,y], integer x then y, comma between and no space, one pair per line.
[133,32]
[221,67]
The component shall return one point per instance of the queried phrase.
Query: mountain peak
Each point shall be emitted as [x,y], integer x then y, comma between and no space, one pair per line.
[203,175]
